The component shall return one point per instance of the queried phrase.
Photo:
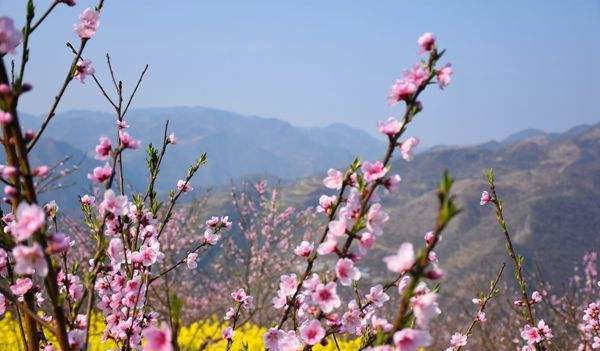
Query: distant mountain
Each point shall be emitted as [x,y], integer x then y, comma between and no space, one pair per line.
[237,146]
[522,135]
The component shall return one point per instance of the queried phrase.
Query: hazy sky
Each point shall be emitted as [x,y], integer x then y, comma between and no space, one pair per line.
[518,64]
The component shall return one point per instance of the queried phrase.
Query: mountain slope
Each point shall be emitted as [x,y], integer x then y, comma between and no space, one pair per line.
[550,185]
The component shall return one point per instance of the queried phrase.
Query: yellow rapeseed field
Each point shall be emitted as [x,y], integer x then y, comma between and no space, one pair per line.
[202,335]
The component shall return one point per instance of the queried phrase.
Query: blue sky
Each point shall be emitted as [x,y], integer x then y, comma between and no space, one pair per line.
[518,64]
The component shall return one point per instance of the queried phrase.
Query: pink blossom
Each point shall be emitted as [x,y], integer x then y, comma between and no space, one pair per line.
[391,127]
[402,90]
[88,200]
[100,174]
[272,337]
[3,263]
[536,297]
[290,342]
[426,42]
[304,249]
[5,117]
[411,339]
[157,339]
[5,90]
[226,223]
[127,141]
[30,218]
[88,23]
[325,296]
[326,203]
[51,209]
[112,204]
[147,255]
[184,186]
[373,171]
[10,37]
[21,286]
[406,148]
[425,307]
[29,134]
[30,260]
[279,301]
[429,238]
[122,125]
[58,243]
[352,322]
[376,217]
[288,285]
[310,284]
[545,330]
[346,272]
[75,290]
[115,252]
[239,295]
[417,75]
[8,172]
[366,241]
[328,246]
[229,314]
[334,179]
[377,295]
[2,305]
[312,332]
[486,198]
[212,222]
[103,149]
[191,260]
[209,237]
[434,272]
[41,171]
[391,183]
[227,333]
[83,68]
[76,339]
[531,335]
[10,191]
[480,317]
[171,139]
[337,228]
[381,324]
[458,339]
[444,76]
[403,260]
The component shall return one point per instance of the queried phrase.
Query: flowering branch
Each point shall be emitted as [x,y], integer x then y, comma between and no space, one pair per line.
[183,187]
[480,316]
[447,210]
[85,34]
[517,259]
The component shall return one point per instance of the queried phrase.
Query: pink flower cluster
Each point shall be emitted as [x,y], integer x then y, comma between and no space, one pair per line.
[10,37]
[88,23]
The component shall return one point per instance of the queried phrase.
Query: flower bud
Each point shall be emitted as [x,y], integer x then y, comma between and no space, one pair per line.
[29,134]
[5,117]
[5,90]
[10,191]
[26,87]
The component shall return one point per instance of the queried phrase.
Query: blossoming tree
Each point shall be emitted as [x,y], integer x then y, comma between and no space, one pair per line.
[300,282]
